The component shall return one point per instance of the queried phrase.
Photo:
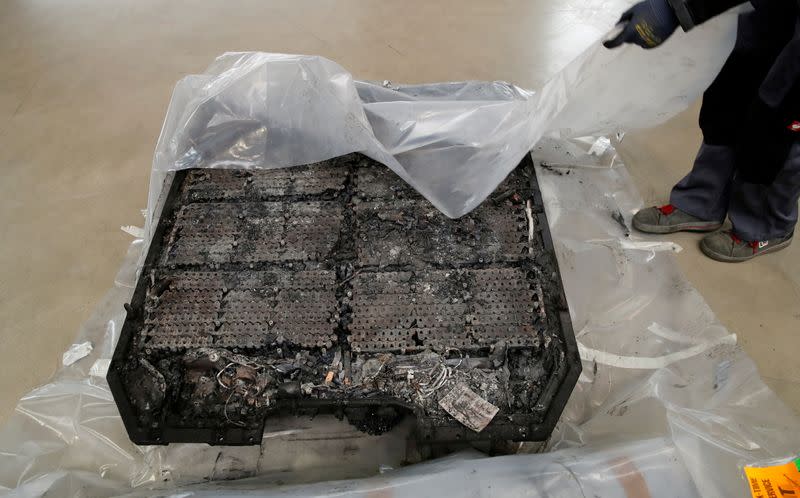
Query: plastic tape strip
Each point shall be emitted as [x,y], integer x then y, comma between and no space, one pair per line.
[650,245]
[638,245]
[672,335]
[650,362]
[136,232]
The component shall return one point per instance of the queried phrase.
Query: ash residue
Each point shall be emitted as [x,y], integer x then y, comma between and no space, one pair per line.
[510,379]
[620,219]
[422,379]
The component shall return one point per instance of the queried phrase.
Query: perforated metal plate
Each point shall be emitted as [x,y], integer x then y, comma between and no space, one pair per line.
[374,181]
[464,309]
[247,309]
[249,232]
[416,233]
[224,184]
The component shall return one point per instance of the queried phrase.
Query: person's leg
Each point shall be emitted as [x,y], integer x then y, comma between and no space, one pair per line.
[763,216]
[704,192]
[699,201]
[761,36]
[768,131]
[766,187]
[763,212]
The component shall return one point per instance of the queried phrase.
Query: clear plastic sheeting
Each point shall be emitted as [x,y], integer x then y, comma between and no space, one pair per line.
[635,469]
[667,404]
[656,360]
[453,142]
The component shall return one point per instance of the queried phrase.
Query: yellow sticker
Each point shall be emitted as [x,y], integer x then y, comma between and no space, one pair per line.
[778,481]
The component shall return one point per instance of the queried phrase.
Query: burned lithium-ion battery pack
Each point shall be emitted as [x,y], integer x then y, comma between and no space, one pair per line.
[335,287]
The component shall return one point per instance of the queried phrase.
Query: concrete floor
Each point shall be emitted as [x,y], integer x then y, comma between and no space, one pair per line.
[86,83]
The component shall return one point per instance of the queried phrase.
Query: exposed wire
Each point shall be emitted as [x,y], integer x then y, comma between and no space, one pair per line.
[460,357]
[225,411]
[375,375]
[219,380]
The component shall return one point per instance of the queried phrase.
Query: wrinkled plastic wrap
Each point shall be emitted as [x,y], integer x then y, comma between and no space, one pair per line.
[453,142]
[667,404]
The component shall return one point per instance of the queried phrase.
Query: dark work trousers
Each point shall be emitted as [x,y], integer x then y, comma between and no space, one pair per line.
[757,212]
[748,167]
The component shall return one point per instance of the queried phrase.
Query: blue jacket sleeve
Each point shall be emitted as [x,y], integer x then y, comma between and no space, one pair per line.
[693,12]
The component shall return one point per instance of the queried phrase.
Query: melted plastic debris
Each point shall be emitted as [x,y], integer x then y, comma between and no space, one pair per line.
[76,352]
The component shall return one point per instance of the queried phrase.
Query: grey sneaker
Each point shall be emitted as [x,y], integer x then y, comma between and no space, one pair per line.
[669,219]
[729,247]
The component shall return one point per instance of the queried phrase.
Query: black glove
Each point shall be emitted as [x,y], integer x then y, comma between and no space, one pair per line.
[647,24]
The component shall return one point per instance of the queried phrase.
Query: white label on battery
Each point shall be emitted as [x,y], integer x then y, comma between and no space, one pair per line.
[468,408]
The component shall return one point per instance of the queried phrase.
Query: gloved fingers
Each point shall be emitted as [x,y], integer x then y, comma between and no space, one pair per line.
[626,16]
[624,34]
[622,37]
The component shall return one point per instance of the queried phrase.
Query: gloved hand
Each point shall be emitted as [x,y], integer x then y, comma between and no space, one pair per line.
[647,24]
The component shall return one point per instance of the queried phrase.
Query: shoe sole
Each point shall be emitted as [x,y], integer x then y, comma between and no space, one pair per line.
[682,227]
[732,259]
